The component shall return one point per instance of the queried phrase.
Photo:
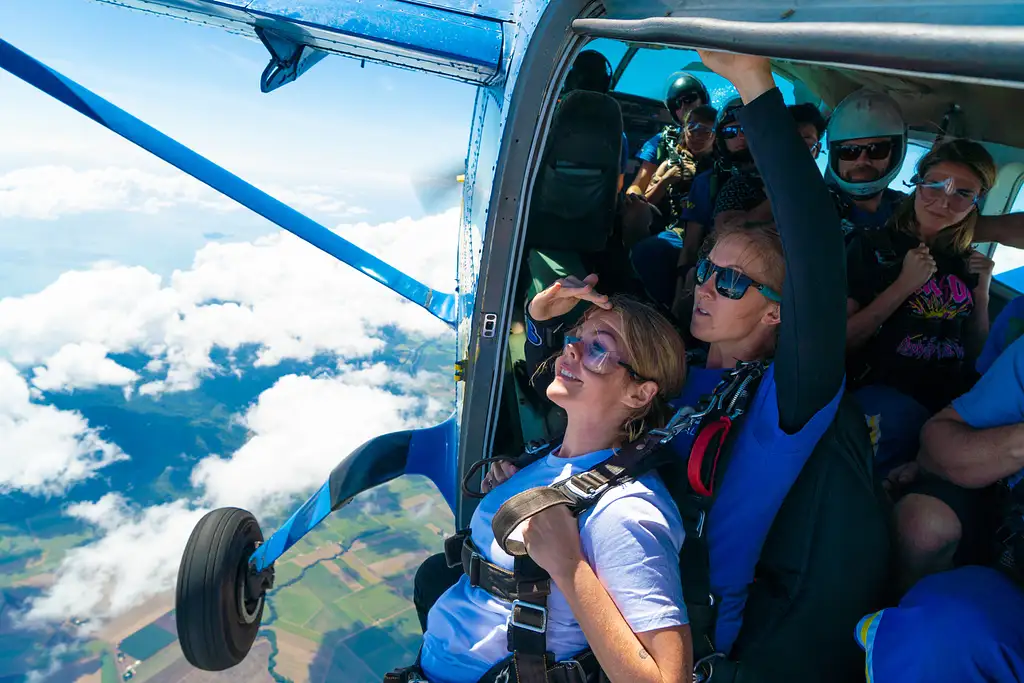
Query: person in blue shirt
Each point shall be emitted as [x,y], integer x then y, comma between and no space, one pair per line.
[615,575]
[960,626]
[763,293]
[971,615]
[1007,328]
[679,160]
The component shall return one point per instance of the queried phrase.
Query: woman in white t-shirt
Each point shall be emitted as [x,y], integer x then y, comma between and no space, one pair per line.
[615,575]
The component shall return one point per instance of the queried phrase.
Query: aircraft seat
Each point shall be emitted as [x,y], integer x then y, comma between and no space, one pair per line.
[574,196]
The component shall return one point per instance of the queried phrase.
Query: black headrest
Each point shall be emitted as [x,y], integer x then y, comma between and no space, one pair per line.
[587,127]
[573,202]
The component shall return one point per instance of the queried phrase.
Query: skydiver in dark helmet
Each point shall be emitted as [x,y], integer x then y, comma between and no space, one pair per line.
[673,158]
[683,94]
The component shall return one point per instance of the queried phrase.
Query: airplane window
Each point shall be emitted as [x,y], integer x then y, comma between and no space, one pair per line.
[1009,268]
[614,50]
[649,70]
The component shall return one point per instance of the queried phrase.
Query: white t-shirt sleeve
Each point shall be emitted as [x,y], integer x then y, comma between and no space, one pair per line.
[632,540]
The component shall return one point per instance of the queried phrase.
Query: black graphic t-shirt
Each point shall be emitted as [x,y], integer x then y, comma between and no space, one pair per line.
[920,349]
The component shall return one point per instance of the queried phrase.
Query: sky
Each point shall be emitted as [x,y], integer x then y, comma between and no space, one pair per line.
[106,252]
[341,143]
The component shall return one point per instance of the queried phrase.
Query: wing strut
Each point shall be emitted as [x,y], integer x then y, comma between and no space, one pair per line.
[42,77]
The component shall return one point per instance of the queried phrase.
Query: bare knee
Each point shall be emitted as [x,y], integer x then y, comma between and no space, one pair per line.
[926,523]
[928,533]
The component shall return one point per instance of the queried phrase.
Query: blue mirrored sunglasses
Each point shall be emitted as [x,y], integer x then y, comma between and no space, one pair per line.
[731,283]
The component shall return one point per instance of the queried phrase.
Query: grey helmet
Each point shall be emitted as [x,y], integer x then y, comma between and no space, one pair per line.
[866,114]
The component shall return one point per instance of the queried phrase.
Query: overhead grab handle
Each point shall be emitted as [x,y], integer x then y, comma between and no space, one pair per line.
[984,54]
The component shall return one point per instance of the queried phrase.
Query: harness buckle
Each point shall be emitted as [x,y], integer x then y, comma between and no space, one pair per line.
[704,669]
[526,608]
[580,493]
[453,548]
[683,418]
[474,569]
[573,666]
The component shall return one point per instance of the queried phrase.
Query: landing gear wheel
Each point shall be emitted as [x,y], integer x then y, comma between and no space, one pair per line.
[217,617]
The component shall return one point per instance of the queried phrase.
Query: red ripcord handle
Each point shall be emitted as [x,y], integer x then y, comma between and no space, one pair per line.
[699,451]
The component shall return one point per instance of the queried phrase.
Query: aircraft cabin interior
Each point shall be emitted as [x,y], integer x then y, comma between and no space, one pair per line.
[639,75]
[573,227]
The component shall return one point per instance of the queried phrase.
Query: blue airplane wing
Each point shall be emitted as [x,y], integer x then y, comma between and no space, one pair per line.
[459,39]
[60,87]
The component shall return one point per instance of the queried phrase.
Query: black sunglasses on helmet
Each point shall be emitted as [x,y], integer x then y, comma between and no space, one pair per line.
[686,98]
[875,150]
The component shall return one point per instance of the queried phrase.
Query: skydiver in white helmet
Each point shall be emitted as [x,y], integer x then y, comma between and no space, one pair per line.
[867,141]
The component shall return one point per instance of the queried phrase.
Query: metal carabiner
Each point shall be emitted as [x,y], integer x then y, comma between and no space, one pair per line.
[704,668]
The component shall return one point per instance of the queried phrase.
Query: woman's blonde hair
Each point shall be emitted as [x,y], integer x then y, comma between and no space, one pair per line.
[764,238]
[655,351]
[956,238]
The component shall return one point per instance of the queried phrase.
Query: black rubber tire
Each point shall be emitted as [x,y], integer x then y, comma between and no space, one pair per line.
[216,628]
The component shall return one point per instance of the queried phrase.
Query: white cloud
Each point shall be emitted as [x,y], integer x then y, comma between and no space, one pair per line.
[51,192]
[301,428]
[135,559]
[278,293]
[81,366]
[1007,259]
[44,450]
[54,652]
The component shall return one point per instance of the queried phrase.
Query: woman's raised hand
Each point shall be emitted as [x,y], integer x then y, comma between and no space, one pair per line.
[751,75]
[562,297]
